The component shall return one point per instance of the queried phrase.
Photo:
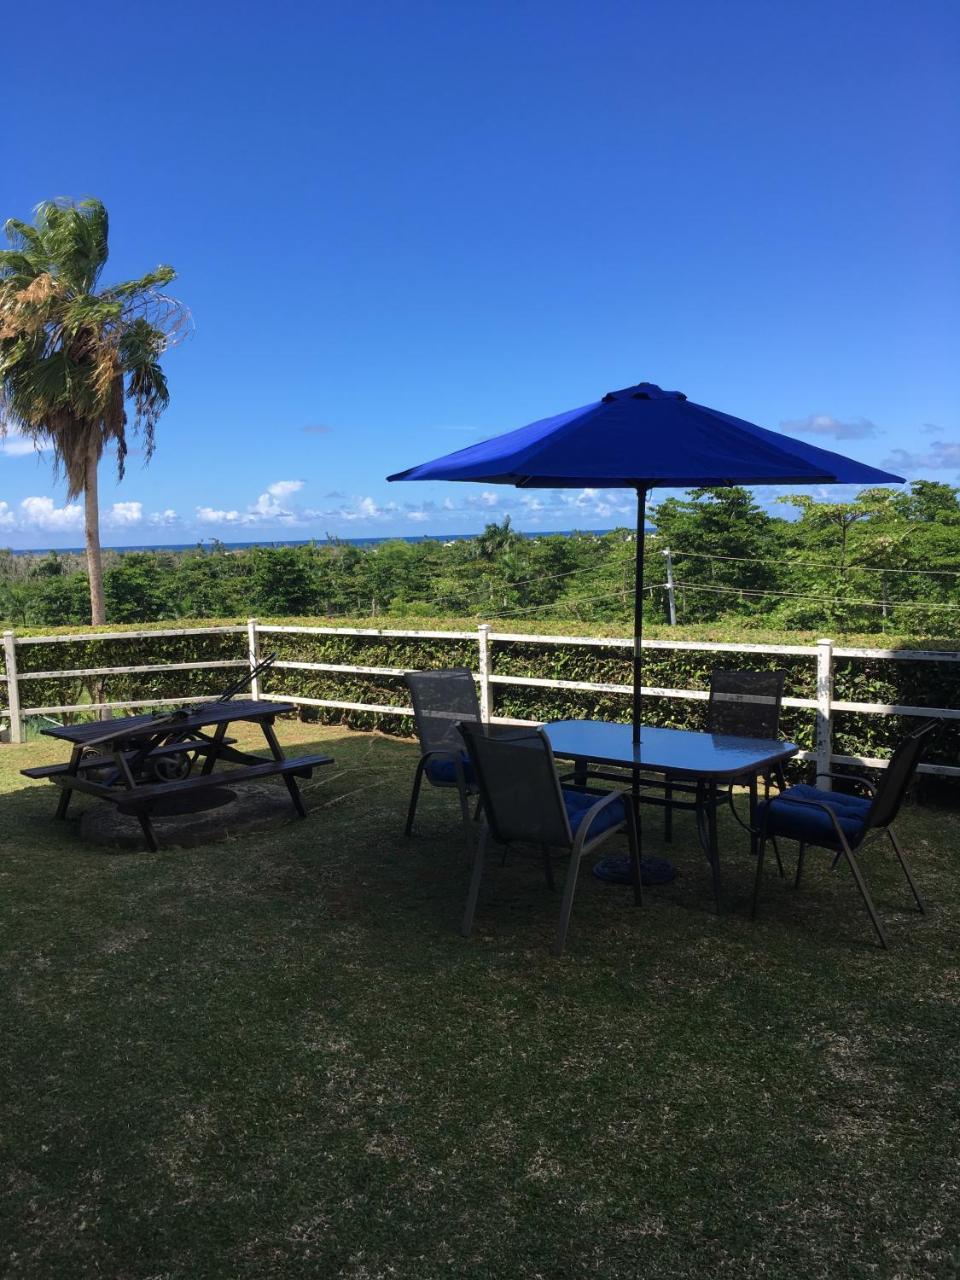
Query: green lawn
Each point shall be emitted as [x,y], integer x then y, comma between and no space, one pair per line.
[275,1056]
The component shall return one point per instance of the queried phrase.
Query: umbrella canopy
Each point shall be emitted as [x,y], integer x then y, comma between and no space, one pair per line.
[643,438]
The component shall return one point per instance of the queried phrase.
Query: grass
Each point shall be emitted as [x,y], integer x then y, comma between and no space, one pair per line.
[276,1057]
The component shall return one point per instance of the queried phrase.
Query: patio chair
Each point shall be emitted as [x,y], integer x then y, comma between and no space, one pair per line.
[845,823]
[742,704]
[441,700]
[524,803]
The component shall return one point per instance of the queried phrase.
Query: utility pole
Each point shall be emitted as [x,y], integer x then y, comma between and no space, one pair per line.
[671,593]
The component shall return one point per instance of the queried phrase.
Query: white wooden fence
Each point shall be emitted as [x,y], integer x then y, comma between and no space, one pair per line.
[823,654]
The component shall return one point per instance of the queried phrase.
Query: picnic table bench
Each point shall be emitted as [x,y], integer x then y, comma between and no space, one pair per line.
[138,762]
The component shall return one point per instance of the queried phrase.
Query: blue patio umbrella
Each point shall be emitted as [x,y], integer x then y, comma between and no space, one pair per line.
[644,438]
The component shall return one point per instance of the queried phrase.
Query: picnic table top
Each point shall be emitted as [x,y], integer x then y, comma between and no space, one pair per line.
[191,718]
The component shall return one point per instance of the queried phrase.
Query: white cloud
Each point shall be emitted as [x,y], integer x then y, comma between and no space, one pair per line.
[419,516]
[489,499]
[283,488]
[167,517]
[42,513]
[209,515]
[822,424]
[123,513]
[7,517]
[268,507]
[15,445]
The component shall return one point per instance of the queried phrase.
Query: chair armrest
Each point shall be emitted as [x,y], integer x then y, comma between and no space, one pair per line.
[868,786]
[811,804]
[456,759]
[586,822]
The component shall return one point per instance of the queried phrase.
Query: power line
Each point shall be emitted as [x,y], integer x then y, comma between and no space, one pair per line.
[755,593]
[812,564]
[575,600]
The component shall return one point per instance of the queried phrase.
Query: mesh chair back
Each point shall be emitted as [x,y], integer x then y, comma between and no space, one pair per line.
[898,775]
[745,704]
[440,700]
[519,786]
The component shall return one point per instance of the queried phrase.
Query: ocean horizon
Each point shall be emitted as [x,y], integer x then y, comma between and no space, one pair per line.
[207,543]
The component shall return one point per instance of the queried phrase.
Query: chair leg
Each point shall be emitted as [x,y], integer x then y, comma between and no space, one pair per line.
[566,906]
[776,851]
[470,910]
[548,867]
[467,819]
[865,895]
[668,814]
[414,797]
[761,850]
[800,853]
[901,858]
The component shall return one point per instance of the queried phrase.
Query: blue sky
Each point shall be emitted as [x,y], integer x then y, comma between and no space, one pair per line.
[401,228]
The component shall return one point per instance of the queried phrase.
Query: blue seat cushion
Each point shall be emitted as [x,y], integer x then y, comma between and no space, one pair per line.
[441,772]
[813,826]
[577,804]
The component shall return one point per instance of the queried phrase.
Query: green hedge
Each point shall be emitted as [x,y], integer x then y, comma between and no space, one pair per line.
[862,680]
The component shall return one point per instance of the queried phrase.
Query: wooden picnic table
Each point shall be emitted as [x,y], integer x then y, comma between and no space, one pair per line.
[137,762]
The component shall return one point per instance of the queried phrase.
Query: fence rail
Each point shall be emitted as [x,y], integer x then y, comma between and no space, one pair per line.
[823,654]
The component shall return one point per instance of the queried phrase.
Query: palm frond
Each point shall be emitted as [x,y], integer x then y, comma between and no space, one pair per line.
[75,237]
[159,276]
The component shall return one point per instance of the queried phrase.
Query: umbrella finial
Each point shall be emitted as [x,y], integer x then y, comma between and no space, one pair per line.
[643,391]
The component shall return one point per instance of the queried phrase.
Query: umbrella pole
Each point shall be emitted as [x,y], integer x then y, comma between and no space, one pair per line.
[638,616]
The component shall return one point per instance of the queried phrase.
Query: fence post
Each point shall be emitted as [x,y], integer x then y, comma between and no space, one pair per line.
[824,720]
[13,686]
[253,656]
[483,640]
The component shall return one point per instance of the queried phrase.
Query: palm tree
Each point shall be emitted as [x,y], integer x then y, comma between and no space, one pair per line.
[72,359]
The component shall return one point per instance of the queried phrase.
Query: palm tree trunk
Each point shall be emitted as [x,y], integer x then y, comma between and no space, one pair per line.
[91,503]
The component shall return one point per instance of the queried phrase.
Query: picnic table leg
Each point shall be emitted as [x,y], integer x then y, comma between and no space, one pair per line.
[289,779]
[211,760]
[66,791]
[146,827]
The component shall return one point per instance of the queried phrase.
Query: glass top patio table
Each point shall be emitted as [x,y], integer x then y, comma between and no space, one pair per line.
[683,753]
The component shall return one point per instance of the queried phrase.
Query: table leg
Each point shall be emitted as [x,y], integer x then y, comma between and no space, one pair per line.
[211,760]
[277,752]
[146,827]
[754,835]
[706,815]
[714,850]
[66,792]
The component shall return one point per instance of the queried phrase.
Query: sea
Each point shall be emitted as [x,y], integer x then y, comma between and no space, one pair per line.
[304,542]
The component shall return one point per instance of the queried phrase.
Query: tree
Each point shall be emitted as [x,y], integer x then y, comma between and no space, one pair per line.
[723,543]
[71,358]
